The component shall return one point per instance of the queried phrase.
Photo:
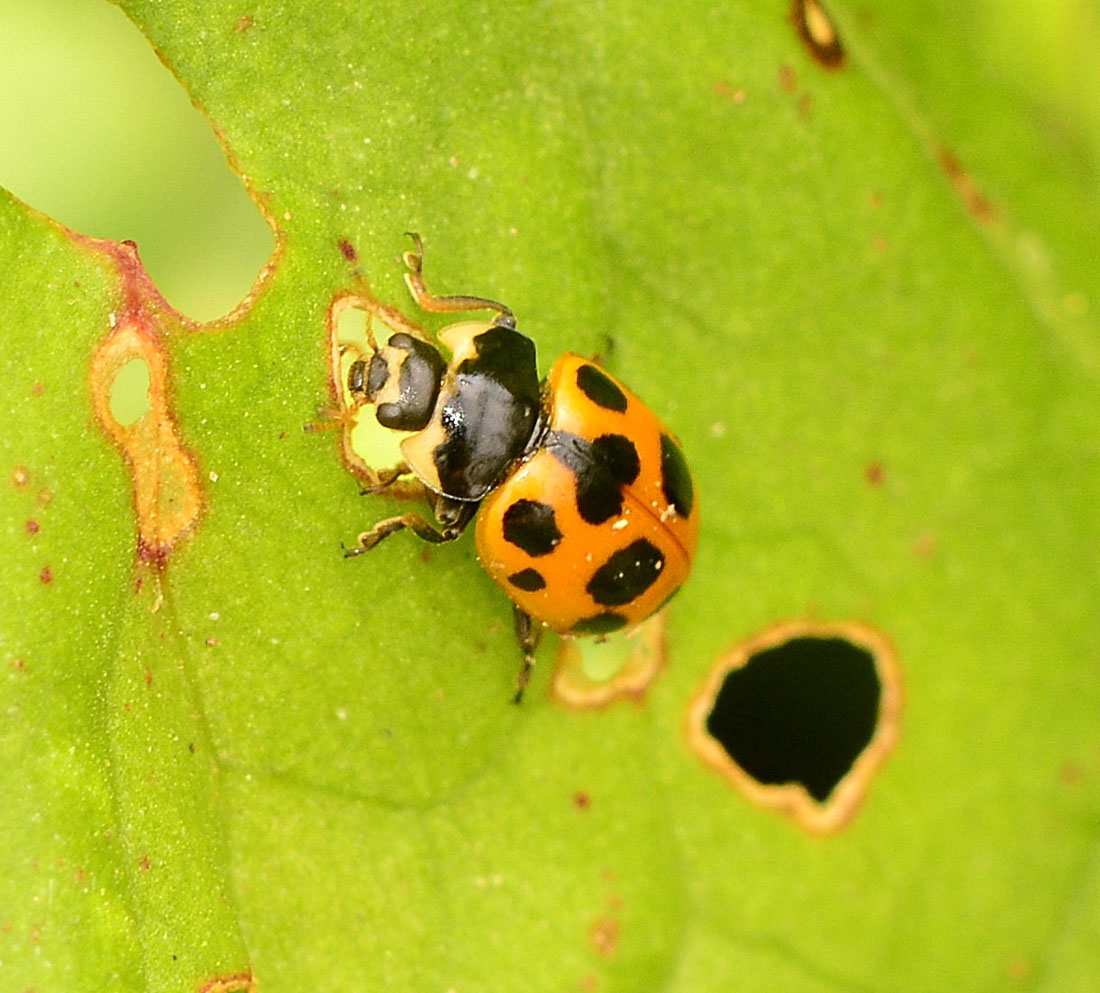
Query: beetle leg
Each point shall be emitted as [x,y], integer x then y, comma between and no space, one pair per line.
[454,515]
[414,280]
[424,530]
[528,633]
[394,320]
[385,478]
[328,419]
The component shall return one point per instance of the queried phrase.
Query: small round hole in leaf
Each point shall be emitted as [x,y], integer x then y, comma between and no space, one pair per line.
[367,445]
[800,716]
[129,398]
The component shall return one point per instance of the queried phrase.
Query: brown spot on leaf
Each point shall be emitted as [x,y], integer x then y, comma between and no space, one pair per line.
[979,207]
[244,24]
[582,800]
[46,575]
[874,473]
[787,79]
[604,936]
[925,545]
[347,249]
[818,33]
[33,526]
[20,476]
[19,665]
[144,863]
[237,982]
[727,91]
[1070,774]
[166,493]
[44,498]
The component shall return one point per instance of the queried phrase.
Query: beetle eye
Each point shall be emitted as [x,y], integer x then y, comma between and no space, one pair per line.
[378,374]
[355,377]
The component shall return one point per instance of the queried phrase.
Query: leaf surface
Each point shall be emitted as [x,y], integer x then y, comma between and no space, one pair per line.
[235,756]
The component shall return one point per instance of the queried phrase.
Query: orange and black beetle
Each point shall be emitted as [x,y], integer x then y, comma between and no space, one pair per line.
[589,517]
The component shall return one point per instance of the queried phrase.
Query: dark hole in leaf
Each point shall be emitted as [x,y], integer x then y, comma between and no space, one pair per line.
[800,712]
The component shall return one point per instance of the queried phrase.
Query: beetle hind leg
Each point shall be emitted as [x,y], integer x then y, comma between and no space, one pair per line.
[528,634]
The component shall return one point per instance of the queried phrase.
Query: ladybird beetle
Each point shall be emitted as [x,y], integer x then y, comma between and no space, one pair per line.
[589,517]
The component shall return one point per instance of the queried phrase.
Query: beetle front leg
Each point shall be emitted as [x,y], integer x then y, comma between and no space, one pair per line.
[385,478]
[414,280]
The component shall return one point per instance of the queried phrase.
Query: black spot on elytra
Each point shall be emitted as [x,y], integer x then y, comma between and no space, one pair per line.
[603,623]
[676,477]
[530,525]
[601,467]
[599,388]
[528,579]
[627,574]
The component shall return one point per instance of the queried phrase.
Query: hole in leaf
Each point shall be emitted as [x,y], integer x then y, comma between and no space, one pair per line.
[591,673]
[351,326]
[800,717]
[128,380]
[130,392]
[101,137]
[369,442]
[799,712]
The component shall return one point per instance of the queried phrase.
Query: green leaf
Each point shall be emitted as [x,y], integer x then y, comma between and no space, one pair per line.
[864,296]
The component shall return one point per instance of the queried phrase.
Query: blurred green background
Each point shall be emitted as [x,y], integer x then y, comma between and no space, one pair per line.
[100,136]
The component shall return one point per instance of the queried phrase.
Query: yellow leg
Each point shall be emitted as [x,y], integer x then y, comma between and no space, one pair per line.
[414,280]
